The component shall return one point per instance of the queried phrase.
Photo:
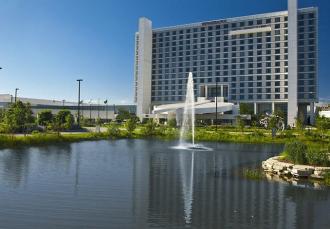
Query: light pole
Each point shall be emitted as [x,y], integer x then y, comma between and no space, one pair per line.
[63,103]
[78,118]
[98,108]
[90,111]
[216,104]
[106,110]
[16,89]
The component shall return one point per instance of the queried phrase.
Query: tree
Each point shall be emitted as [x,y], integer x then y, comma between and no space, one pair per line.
[69,122]
[123,115]
[130,125]
[275,122]
[45,118]
[150,128]
[245,108]
[322,124]
[18,116]
[172,122]
[240,123]
[113,130]
[63,120]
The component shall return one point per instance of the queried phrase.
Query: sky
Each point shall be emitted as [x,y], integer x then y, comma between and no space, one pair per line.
[45,45]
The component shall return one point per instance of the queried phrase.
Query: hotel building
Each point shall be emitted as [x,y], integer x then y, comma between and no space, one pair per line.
[269,61]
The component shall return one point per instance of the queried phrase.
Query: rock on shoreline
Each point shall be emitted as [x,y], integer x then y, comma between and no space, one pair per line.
[275,166]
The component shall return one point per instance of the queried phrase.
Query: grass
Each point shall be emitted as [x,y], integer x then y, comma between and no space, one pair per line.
[254,174]
[327,179]
[10,141]
[222,134]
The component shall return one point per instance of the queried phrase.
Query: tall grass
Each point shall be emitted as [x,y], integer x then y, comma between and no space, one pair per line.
[9,141]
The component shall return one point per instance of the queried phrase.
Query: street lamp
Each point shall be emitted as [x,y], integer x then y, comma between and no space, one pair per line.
[216,104]
[106,109]
[98,108]
[78,118]
[90,111]
[16,89]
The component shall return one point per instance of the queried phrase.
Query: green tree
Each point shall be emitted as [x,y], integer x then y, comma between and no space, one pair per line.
[69,122]
[113,130]
[130,125]
[63,120]
[240,123]
[300,121]
[322,124]
[45,118]
[150,128]
[172,123]
[276,122]
[124,115]
[17,117]
[246,109]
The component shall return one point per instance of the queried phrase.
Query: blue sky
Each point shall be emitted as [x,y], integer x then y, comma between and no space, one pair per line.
[45,45]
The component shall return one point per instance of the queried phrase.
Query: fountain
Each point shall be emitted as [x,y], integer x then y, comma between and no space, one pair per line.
[188,120]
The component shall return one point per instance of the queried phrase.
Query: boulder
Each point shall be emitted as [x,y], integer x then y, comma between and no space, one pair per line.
[319,172]
[302,170]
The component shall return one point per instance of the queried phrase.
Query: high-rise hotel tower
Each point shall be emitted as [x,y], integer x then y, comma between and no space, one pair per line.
[269,61]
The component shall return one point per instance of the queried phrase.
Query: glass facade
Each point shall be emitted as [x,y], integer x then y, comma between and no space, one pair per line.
[247,56]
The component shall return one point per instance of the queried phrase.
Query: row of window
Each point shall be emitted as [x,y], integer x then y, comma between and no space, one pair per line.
[301,83]
[240,97]
[302,20]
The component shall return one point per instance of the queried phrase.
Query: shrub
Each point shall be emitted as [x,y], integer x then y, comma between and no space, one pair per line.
[322,124]
[327,179]
[130,125]
[69,122]
[172,123]
[63,120]
[16,116]
[296,152]
[257,134]
[45,117]
[317,157]
[254,174]
[113,130]
[240,123]
[150,128]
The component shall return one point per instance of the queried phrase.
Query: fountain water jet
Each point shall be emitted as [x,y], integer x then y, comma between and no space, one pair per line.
[188,120]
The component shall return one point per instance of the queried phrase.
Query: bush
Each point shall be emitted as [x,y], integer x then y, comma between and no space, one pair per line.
[63,120]
[317,157]
[150,128]
[172,123]
[16,117]
[327,179]
[113,130]
[258,133]
[254,174]
[296,152]
[45,117]
[130,125]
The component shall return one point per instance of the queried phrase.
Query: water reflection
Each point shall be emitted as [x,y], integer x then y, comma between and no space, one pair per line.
[146,184]
[205,190]
[14,165]
[187,174]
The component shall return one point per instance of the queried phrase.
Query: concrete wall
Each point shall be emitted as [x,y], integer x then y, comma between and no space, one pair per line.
[293,62]
[143,66]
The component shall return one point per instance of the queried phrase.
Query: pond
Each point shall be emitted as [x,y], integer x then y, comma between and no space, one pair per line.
[148,184]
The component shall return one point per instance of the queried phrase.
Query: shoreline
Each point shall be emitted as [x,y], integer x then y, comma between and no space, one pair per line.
[248,136]
[14,141]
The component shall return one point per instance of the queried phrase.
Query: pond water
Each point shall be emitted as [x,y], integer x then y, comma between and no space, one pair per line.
[148,184]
